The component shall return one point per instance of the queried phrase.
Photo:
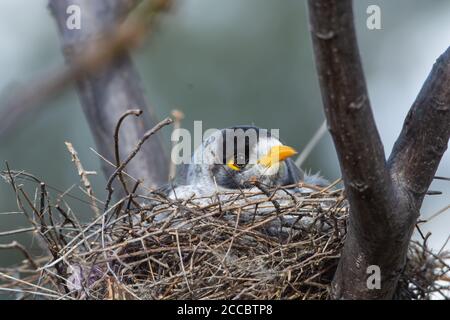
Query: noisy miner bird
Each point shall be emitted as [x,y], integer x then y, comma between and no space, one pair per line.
[239,158]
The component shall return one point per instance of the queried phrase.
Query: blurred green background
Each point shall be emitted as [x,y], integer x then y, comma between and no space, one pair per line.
[225,63]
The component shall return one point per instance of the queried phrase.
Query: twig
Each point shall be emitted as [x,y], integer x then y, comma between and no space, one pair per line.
[22,249]
[84,175]
[181,260]
[434,215]
[318,135]
[178,116]
[147,135]
[136,113]
[100,53]
[14,232]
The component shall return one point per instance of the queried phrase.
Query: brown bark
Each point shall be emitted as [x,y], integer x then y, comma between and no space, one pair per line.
[384,198]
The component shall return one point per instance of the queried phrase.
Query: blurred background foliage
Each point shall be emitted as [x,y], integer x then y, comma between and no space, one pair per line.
[225,63]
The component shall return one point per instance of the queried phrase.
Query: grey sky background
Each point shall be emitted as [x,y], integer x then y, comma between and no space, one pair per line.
[225,63]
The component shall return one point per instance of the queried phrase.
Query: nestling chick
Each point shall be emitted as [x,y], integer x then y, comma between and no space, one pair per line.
[235,158]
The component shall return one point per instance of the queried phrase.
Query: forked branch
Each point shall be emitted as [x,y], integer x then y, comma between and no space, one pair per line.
[384,199]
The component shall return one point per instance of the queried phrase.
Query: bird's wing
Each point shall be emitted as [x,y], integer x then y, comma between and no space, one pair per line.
[315,179]
[295,174]
[181,176]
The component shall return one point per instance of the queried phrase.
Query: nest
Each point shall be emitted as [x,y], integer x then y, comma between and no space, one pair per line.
[271,244]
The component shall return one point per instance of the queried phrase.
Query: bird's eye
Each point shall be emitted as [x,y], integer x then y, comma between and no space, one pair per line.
[235,165]
[231,164]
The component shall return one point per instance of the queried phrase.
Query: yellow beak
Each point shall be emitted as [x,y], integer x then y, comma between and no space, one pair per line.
[276,154]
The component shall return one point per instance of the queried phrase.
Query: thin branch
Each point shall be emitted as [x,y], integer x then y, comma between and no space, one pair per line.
[178,116]
[25,98]
[318,135]
[22,249]
[136,113]
[133,154]
[84,177]
[17,231]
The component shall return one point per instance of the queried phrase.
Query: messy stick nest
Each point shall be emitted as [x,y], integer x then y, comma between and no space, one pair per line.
[264,244]
[224,250]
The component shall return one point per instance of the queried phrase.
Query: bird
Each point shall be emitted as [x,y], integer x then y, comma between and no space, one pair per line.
[238,158]
[245,159]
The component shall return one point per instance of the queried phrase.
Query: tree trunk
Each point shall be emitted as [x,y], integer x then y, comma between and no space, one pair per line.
[384,197]
[108,93]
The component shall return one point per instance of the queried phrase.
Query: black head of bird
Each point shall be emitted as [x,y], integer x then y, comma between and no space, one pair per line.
[234,158]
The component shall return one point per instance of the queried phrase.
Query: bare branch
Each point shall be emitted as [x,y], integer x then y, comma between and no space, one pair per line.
[384,200]
[134,153]
[22,99]
[136,113]
[426,131]
[22,249]
[178,116]
[312,143]
[84,175]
